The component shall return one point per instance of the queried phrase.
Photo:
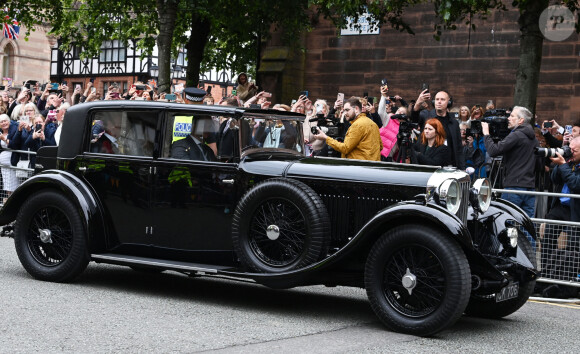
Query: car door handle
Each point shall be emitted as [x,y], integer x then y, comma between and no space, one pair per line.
[228,181]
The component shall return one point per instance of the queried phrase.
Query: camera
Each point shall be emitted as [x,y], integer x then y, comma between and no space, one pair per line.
[547,124]
[565,151]
[405,129]
[330,131]
[498,123]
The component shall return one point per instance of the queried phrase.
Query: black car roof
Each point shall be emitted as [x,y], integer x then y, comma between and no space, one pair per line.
[78,117]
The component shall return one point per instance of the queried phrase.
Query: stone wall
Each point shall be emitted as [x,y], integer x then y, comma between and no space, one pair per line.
[474,67]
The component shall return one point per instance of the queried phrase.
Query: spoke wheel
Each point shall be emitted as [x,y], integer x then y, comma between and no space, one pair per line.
[417,280]
[280,225]
[414,281]
[278,233]
[49,237]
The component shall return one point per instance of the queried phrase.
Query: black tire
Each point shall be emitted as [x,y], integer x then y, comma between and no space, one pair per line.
[50,239]
[487,307]
[298,222]
[434,268]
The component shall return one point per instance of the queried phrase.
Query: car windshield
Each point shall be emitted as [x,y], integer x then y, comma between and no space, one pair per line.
[272,133]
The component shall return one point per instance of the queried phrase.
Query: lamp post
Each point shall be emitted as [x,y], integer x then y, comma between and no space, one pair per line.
[153,70]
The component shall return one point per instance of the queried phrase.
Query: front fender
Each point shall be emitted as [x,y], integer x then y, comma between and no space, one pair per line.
[516,213]
[400,214]
[70,185]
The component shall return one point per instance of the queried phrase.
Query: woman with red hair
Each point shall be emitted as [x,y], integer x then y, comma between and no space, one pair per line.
[431,149]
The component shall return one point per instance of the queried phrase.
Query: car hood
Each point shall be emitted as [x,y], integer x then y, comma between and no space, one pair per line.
[344,170]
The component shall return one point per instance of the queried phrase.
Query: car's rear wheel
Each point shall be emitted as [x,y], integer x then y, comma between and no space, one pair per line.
[417,280]
[280,225]
[487,307]
[49,238]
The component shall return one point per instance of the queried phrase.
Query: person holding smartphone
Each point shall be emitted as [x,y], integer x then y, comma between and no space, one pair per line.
[42,135]
[551,127]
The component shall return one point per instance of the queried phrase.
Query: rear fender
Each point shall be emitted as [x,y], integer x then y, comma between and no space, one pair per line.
[68,184]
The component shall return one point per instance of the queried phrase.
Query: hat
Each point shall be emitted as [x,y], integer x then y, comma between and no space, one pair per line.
[194,94]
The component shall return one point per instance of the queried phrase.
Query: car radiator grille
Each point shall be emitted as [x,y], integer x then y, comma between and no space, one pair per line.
[462,212]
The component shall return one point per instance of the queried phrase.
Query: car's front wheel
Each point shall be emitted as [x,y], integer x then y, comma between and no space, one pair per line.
[417,280]
[49,237]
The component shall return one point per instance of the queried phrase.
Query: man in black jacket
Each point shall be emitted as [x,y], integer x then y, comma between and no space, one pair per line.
[442,103]
[518,157]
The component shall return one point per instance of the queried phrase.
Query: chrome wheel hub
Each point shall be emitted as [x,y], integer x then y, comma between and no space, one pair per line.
[45,235]
[409,281]
[273,232]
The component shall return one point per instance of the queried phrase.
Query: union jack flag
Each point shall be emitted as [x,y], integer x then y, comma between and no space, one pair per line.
[11,30]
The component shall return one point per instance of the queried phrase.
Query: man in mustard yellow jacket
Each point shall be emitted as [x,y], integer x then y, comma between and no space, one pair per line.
[362,140]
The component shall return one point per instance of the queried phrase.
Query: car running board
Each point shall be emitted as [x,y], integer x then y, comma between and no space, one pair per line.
[119,259]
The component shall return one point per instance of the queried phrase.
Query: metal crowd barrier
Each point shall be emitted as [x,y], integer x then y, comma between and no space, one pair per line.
[557,245]
[13,176]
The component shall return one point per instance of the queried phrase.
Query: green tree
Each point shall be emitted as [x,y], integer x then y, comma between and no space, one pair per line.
[219,33]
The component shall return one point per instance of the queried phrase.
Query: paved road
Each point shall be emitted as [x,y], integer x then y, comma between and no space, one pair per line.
[115,309]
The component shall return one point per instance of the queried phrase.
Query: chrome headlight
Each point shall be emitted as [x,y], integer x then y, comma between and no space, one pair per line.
[450,195]
[480,195]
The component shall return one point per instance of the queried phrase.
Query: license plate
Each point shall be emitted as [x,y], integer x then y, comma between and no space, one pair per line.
[507,293]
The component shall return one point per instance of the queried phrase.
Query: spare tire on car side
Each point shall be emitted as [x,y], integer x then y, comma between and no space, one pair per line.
[279,225]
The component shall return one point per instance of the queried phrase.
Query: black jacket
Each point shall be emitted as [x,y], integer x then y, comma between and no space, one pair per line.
[456,154]
[435,156]
[518,156]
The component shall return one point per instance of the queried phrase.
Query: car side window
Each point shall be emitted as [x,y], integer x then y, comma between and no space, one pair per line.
[191,136]
[124,133]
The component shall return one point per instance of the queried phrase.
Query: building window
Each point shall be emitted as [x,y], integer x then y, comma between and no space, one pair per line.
[113,52]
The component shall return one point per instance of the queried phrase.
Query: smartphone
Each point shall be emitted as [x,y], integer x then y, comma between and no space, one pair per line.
[568,129]
[78,87]
[93,89]
[64,82]
[365,94]
[25,119]
[424,87]
[114,95]
[547,124]
[54,86]
[141,87]
[384,82]
[234,92]
[371,100]
[171,97]
[92,79]
[340,97]
[293,101]
[151,93]
[303,93]
[38,128]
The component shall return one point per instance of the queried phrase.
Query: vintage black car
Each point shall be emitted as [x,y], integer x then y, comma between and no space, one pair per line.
[227,192]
